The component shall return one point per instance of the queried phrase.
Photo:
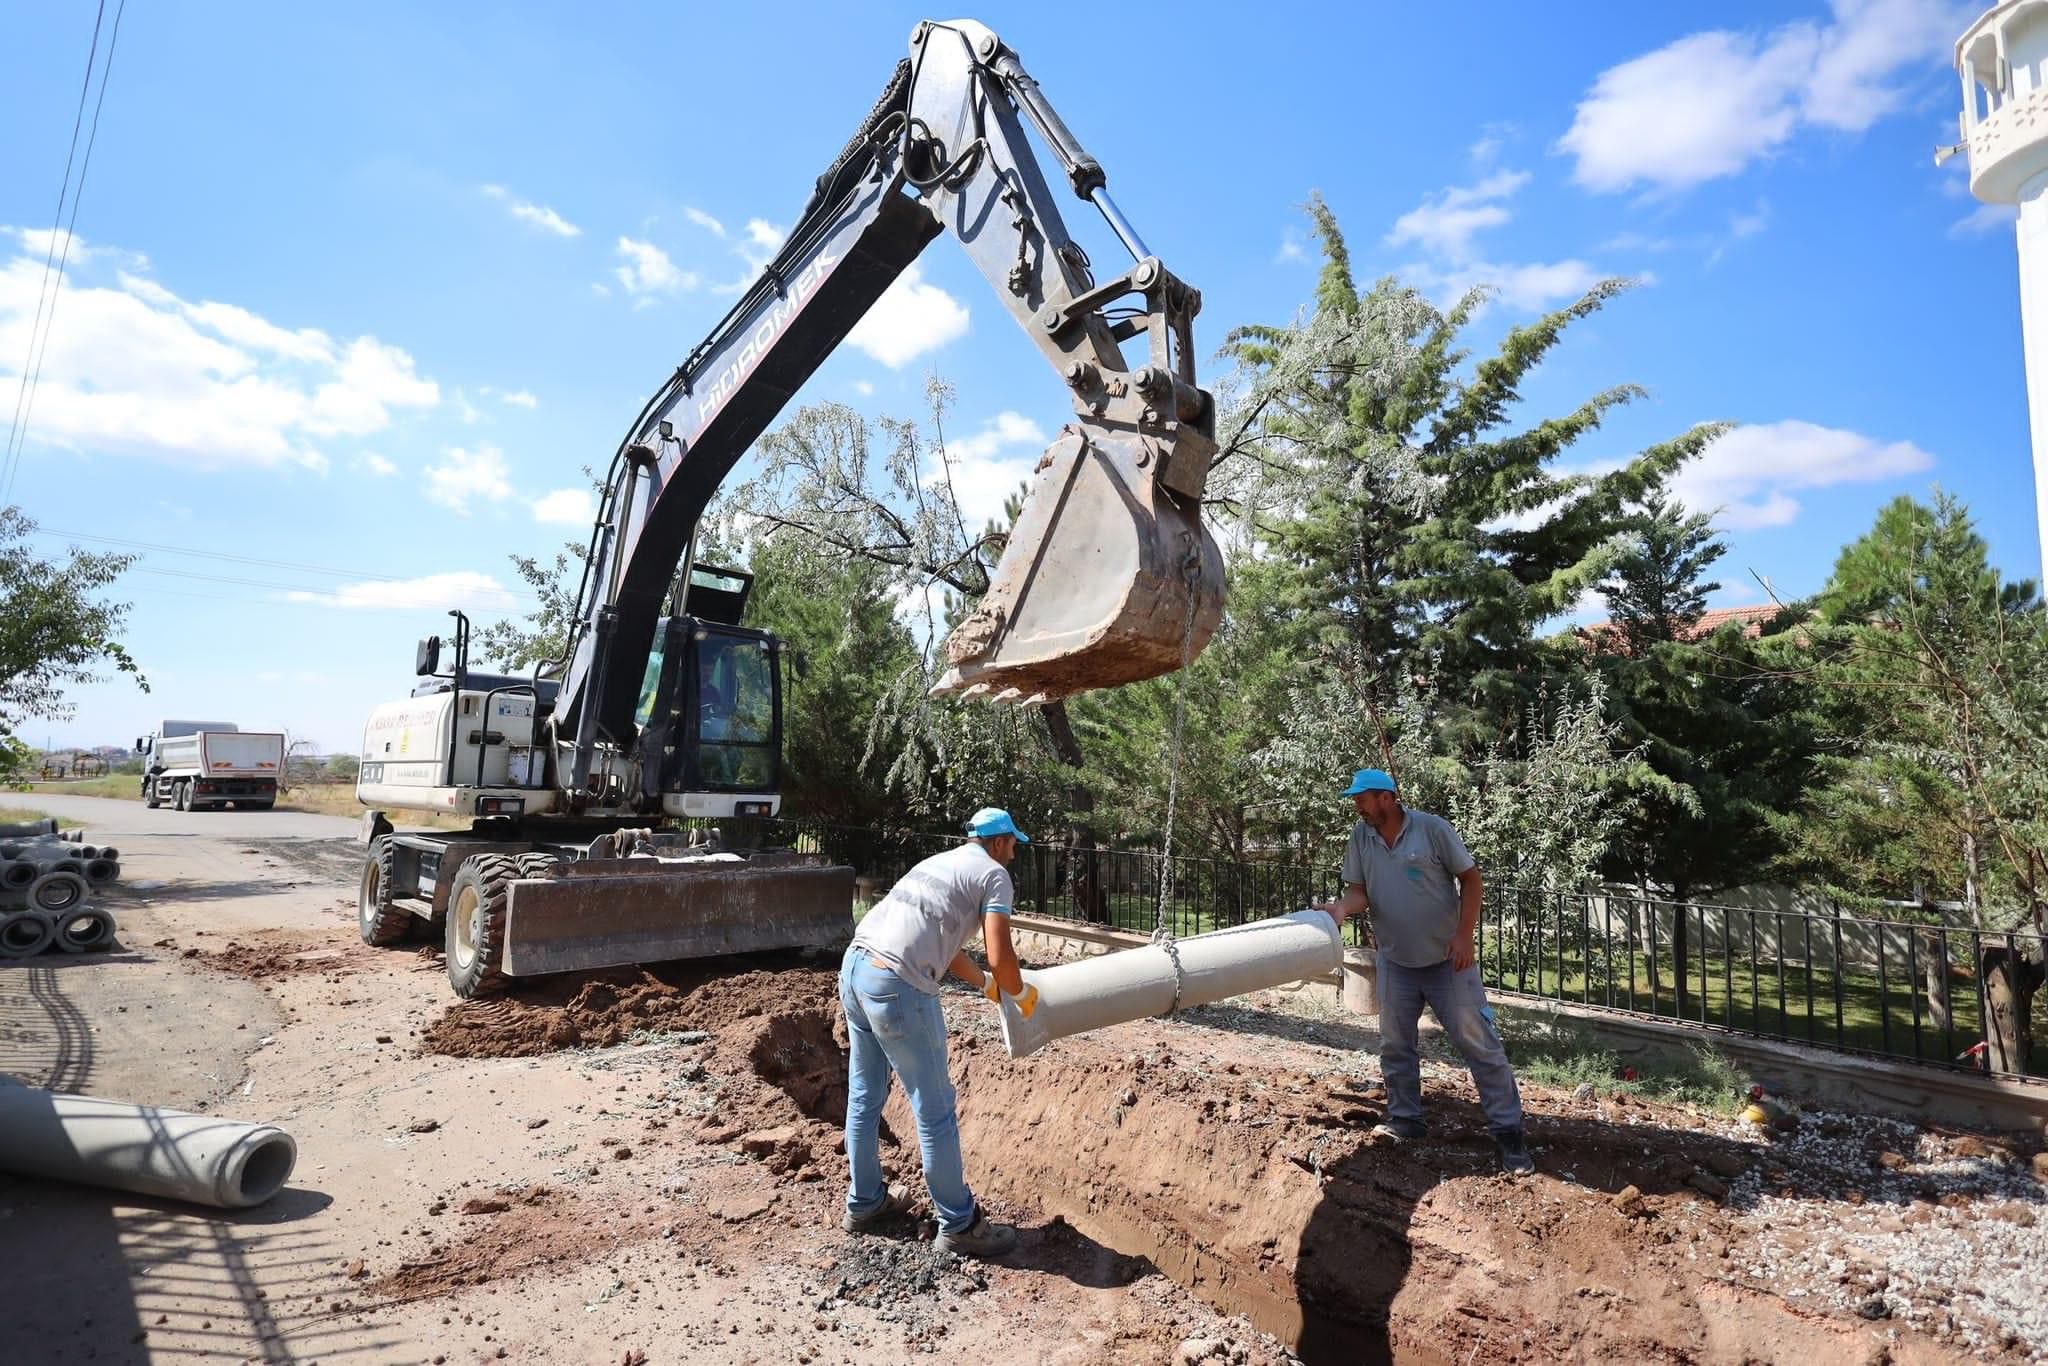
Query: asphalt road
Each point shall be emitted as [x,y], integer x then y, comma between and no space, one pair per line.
[106,819]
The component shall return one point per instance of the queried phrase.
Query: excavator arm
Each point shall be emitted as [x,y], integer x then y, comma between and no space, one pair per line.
[1108,576]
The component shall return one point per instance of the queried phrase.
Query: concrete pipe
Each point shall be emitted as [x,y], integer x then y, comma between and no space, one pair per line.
[1117,988]
[140,1148]
[109,851]
[29,829]
[58,891]
[24,934]
[15,874]
[83,928]
[101,870]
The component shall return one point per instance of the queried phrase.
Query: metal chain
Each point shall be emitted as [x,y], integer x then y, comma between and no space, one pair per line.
[1191,570]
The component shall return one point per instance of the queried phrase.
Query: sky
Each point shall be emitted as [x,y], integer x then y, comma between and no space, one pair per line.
[352,294]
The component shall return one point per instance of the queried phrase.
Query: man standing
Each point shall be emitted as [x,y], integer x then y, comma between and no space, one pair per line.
[1410,871]
[889,989]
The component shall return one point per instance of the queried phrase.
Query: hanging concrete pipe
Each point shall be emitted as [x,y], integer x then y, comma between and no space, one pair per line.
[1117,988]
[140,1148]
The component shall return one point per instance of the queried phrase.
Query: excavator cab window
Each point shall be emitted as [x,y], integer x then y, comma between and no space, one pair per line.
[650,681]
[732,703]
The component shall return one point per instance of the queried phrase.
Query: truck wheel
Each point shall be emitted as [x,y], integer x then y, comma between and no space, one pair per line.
[181,797]
[149,797]
[381,923]
[475,936]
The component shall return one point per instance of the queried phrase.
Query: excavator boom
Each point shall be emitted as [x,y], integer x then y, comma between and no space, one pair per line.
[1109,575]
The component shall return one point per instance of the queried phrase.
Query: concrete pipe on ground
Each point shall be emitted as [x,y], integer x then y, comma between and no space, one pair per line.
[29,829]
[24,934]
[16,875]
[1117,988]
[59,890]
[140,1148]
[83,929]
[101,870]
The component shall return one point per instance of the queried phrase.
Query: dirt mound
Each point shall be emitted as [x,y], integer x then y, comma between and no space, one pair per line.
[265,961]
[598,1011]
[506,1235]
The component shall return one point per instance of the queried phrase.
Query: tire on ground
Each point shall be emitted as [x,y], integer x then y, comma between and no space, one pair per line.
[83,928]
[380,923]
[475,934]
[24,934]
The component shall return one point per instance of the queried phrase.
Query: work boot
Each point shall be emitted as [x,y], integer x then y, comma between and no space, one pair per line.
[984,1238]
[1400,1130]
[895,1201]
[1514,1152]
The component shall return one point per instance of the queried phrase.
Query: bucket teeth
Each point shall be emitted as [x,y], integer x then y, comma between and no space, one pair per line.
[1008,695]
[976,690]
[1037,699]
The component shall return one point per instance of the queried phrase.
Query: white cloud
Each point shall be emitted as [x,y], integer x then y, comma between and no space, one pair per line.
[1709,104]
[466,589]
[540,215]
[1291,249]
[376,464]
[1985,218]
[1445,222]
[705,221]
[130,368]
[1747,478]
[649,271]
[463,475]
[987,467]
[863,388]
[765,236]
[520,398]
[564,507]
[910,318]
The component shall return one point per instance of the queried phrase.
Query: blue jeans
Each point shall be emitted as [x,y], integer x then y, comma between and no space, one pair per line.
[1460,1005]
[894,1027]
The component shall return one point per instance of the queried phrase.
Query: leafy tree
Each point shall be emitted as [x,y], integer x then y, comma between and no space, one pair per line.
[1725,736]
[55,631]
[1934,675]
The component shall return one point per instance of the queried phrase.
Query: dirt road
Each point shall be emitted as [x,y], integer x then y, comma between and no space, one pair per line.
[642,1166]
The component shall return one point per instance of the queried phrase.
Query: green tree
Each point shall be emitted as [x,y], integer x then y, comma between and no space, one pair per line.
[1725,736]
[56,631]
[1934,677]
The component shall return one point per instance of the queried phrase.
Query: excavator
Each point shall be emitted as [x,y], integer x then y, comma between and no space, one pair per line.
[662,708]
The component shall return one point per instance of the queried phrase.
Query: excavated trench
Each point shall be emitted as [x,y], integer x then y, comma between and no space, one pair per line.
[1254,1186]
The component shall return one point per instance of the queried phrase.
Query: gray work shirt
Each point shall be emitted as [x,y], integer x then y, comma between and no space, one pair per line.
[1411,888]
[929,916]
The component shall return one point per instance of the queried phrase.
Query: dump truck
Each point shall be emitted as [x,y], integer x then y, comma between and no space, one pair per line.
[194,765]
[662,707]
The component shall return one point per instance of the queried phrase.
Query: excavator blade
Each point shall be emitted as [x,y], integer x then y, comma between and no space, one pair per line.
[1107,579]
[604,913]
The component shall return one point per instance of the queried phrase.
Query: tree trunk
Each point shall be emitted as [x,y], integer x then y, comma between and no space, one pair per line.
[1934,975]
[1083,859]
[2010,981]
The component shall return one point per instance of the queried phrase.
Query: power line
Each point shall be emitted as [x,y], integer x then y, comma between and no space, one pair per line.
[50,254]
[64,258]
[219,555]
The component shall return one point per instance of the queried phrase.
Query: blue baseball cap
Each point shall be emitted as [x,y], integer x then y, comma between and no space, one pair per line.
[1370,780]
[991,821]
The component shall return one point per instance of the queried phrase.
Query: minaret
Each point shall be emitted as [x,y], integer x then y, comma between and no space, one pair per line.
[2003,62]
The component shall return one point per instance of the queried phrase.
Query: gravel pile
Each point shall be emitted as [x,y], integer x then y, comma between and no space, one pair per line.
[1876,1217]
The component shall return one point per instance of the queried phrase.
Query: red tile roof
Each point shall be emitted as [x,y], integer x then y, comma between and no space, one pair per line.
[1606,635]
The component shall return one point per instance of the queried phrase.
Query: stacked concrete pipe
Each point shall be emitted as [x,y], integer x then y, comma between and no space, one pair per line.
[1117,988]
[141,1148]
[50,877]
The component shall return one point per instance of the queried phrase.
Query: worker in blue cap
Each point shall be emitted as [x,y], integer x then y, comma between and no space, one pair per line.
[889,988]
[1411,873]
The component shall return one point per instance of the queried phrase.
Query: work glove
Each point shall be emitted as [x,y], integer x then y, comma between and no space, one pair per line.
[1026,1000]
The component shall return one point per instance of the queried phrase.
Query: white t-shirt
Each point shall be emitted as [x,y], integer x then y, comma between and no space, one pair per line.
[929,915]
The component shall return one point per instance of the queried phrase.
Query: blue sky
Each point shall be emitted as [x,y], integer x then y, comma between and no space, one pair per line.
[360,289]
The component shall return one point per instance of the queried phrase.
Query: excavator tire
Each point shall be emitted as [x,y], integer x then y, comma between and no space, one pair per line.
[475,936]
[381,923]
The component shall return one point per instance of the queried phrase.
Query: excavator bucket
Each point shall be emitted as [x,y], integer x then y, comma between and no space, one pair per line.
[1107,579]
[603,913]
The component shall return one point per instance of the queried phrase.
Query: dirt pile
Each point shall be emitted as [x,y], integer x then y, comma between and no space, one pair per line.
[598,1011]
[505,1235]
[259,961]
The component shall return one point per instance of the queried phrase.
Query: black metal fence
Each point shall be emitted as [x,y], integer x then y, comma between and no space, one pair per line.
[1883,988]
